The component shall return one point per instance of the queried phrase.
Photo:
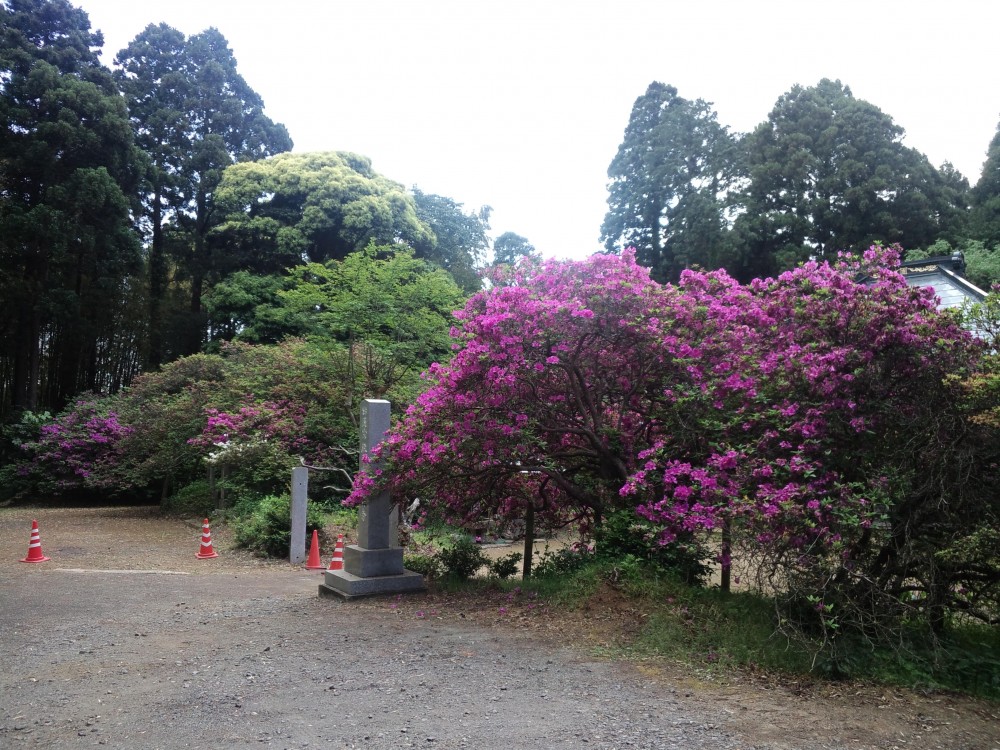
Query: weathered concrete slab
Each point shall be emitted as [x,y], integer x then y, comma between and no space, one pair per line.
[344,585]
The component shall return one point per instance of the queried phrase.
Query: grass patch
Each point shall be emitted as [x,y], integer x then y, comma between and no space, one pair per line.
[709,629]
[965,658]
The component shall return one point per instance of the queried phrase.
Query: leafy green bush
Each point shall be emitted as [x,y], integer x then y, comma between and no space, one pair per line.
[427,565]
[14,479]
[267,528]
[506,566]
[193,499]
[462,559]
[562,562]
[625,533]
[338,515]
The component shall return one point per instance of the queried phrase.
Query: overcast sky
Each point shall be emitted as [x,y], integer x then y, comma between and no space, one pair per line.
[521,105]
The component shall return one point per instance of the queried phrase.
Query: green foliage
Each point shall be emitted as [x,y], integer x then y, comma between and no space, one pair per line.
[336,514]
[985,220]
[982,263]
[192,500]
[624,533]
[247,304]
[194,115]
[67,250]
[252,411]
[511,247]
[427,565]
[459,241]
[963,658]
[382,297]
[265,527]
[462,558]
[553,564]
[313,207]
[14,481]
[506,566]
[710,630]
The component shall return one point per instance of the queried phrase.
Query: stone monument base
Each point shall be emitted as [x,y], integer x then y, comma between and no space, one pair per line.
[344,585]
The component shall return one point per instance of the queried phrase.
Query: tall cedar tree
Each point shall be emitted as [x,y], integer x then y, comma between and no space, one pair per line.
[829,172]
[986,198]
[668,184]
[196,115]
[67,248]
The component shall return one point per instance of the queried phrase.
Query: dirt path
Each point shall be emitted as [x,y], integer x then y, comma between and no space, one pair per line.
[234,653]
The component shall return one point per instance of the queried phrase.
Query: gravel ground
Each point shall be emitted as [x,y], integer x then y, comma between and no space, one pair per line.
[125,640]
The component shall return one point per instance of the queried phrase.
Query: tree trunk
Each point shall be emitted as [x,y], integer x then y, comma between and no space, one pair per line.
[164,492]
[727,551]
[199,270]
[157,284]
[25,385]
[529,540]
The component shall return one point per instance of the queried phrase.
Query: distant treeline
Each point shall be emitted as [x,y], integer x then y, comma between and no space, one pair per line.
[153,211]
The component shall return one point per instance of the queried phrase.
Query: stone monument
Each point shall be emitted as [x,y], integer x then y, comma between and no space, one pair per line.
[374,565]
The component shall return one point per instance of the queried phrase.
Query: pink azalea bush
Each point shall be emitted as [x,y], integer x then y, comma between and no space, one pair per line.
[797,412]
[255,411]
[81,447]
[547,400]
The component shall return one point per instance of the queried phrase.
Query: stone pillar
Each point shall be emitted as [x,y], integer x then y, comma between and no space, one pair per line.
[300,498]
[375,564]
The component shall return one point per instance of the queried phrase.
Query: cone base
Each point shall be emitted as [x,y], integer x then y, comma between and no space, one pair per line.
[36,559]
[206,556]
[315,567]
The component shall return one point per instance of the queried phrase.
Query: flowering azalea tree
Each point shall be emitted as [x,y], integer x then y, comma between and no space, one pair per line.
[254,411]
[830,454]
[549,397]
[812,416]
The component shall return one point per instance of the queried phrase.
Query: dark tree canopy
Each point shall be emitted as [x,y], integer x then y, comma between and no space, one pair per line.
[510,247]
[668,184]
[70,171]
[986,198]
[829,172]
[153,80]
[51,31]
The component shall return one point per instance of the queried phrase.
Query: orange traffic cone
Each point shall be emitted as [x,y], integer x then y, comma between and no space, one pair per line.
[337,561]
[314,562]
[206,550]
[35,546]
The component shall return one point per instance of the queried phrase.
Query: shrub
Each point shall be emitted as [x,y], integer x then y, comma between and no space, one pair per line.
[266,529]
[427,565]
[14,468]
[562,562]
[194,499]
[462,559]
[506,566]
[625,533]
